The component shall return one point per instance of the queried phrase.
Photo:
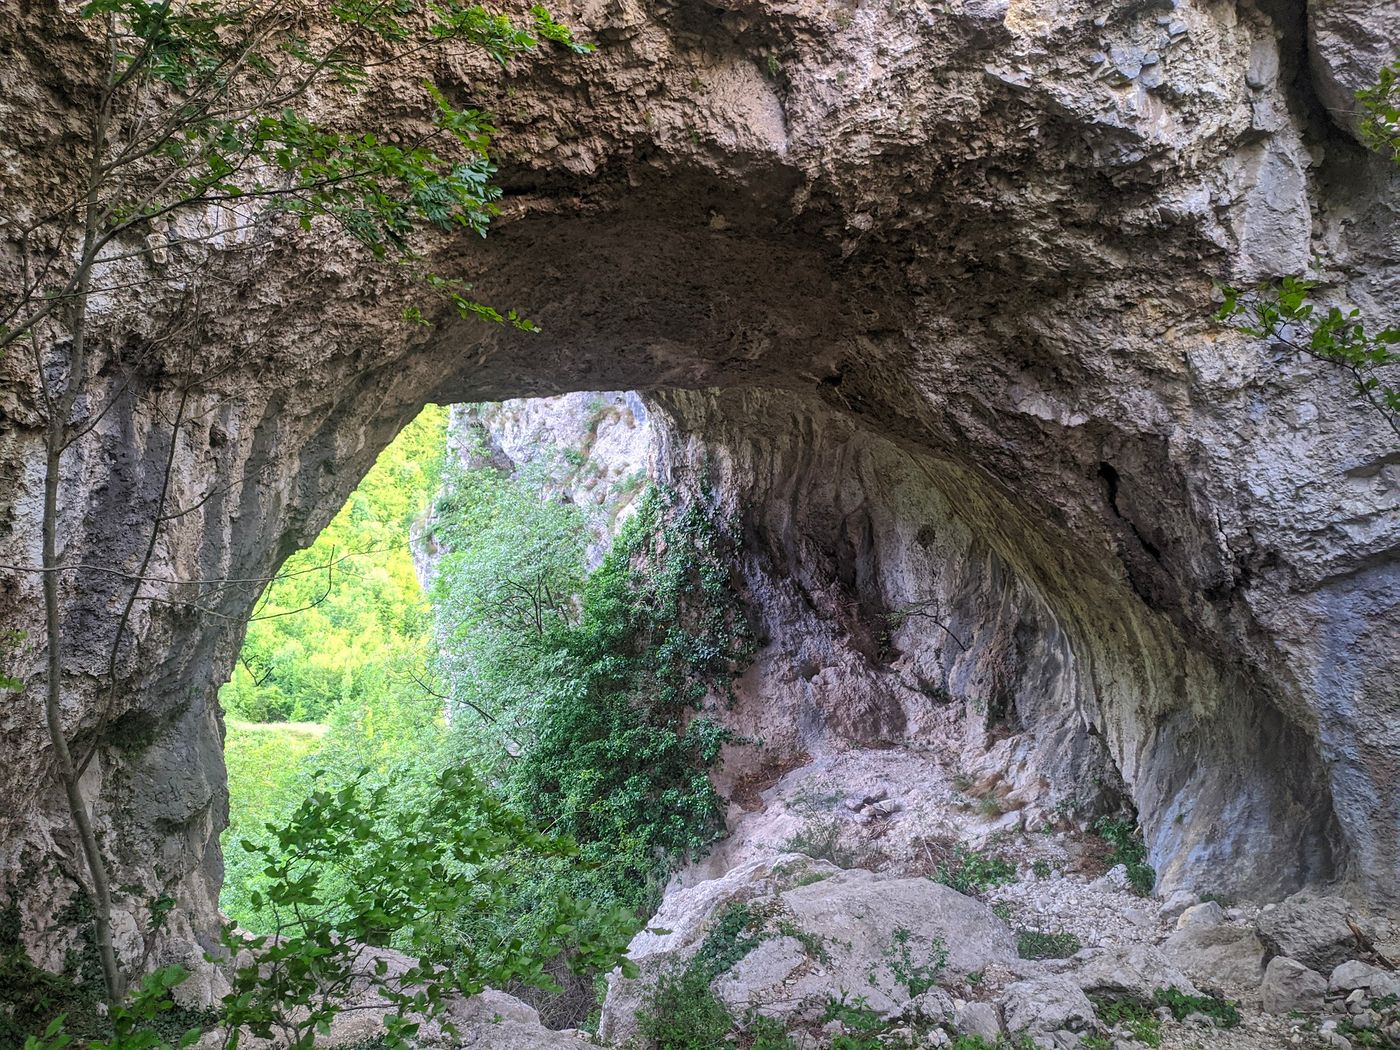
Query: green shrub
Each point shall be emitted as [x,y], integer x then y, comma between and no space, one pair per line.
[736,931]
[1128,850]
[1225,1013]
[681,1013]
[1031,944]
[973,872]
[1134,1016]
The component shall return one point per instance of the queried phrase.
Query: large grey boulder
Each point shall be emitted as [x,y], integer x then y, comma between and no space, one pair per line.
[1217,956]
[1045,1004]
[1207,914]
[1374,981]
[1320,932]
[1289,985]
[821,933]
[1137,970]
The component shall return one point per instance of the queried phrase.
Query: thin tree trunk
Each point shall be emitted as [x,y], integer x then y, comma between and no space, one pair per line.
[60,409]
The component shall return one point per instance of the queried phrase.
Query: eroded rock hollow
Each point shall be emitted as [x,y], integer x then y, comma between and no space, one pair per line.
[925,291]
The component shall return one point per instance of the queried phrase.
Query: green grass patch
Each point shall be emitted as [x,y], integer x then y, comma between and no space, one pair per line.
[1031,944]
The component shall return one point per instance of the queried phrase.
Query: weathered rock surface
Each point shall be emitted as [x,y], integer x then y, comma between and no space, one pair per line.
[1289,985]
[1219,956]
[1319,932]
[980,1019]
[925,292]
[1349,41]
[1046,1004]
[1201,915]
[1373,980]
[822,933]
[1136,970]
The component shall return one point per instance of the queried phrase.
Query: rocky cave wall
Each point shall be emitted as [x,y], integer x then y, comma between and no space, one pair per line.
[952,264]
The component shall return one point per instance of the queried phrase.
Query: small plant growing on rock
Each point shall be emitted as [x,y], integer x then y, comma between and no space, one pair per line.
[681,1013]
[821,840]
[1132,1016]
[1128,850]
[916,977]
[1031,944]
[1223,1012]
[972,872]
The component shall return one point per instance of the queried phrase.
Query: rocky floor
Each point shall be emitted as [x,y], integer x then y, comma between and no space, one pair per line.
[903,813]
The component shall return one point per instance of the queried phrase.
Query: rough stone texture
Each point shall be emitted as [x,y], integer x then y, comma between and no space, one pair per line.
[850,933]
[1208,914]
[1348,43]
[1289,985]
[1217,956]
[1137,970]
[981,1019]
[599,447]
[1352,975]
[1320,932]
[960,258]
[1045,1004]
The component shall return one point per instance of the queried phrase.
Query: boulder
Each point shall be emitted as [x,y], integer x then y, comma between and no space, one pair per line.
[1208,914]
[979,1019]
[1045,1004]
[933,1005]
[1217,955]
[1137,970]
[493,1007]
[1289,985]
[1375,982]
[853,933]
[1316,931]
[1178,902]
[515,1035]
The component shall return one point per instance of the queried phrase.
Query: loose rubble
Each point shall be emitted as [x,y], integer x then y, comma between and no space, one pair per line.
[847,849]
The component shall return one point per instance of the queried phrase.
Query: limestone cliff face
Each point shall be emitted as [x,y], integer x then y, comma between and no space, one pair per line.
[949,266]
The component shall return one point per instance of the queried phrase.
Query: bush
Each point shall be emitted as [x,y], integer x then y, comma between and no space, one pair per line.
[682,1013]
[1225,1013]
[972,872]
[1128,850]
[1135,1017]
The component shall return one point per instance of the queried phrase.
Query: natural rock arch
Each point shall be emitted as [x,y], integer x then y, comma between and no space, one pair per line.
[931,303]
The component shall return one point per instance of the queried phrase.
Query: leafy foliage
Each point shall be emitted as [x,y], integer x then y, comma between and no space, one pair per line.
[1225,1013]
[265,781]
[1133,1016]
[1381,104]
[346,621]
[348,874]
[600,693]
[972,872]
[1128,850]
[1286,314]
[682,1013]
